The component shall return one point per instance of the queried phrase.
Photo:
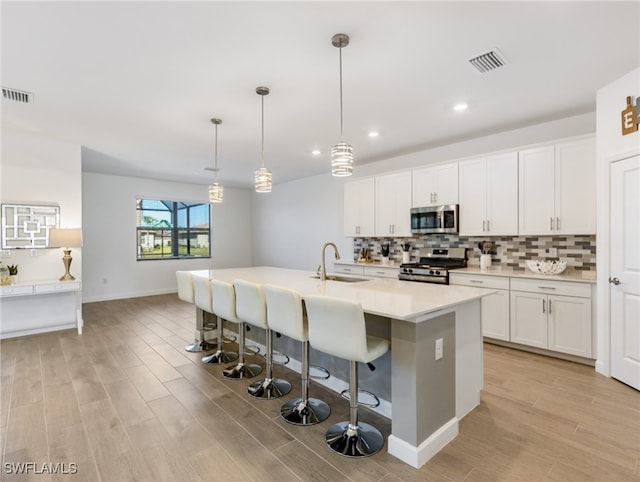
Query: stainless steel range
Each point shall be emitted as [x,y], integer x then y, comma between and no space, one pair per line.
[435,266]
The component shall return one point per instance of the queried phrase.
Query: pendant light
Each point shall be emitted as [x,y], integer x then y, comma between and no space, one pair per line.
[216,190]
[341,153]
[263,175]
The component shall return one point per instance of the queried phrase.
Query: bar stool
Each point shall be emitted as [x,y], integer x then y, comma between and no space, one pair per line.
[186,293]
[251,307]
[224,307]
[285,314]
[227,298]
[337,327]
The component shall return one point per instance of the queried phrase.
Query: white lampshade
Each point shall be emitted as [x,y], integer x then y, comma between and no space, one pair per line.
[263,180]
[65,238]
[342,160]
[216,192]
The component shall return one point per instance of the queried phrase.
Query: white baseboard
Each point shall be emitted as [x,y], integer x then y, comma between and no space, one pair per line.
[122,296]
[35,331]
[420,455]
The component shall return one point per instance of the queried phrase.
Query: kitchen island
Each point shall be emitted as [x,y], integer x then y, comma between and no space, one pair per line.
[428,396]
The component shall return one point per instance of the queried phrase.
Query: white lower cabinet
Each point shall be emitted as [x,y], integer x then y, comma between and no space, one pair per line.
[371,271]
[348,269]
[554,315]
[494,308]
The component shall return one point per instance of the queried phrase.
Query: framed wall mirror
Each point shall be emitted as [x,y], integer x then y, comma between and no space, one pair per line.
[27,225]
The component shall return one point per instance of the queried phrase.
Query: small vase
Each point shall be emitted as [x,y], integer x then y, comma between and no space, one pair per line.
[485,262]
[406,257]
[384,260]
[14,278]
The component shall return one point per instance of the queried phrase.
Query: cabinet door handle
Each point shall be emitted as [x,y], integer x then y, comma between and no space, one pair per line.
[557,224]
[543,306]
[488,226]
[484,222]
[476,281]
[551,223]
[431,196]
[546,288]
[435,197]
[614,281]
[549,306]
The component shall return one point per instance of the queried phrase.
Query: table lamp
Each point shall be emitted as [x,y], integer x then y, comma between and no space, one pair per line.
[66,239]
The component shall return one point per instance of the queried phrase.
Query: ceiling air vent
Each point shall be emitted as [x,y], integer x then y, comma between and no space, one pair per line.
[488,61]
[17,95]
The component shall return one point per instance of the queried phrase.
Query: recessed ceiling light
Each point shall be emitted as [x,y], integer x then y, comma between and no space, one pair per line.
[316,152]
[460,107]
[373,134]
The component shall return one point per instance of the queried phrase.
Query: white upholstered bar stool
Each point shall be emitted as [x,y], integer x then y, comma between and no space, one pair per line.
[223,298]
[285,314]
[227,298]
[251,307]
[337,327]
[186,292]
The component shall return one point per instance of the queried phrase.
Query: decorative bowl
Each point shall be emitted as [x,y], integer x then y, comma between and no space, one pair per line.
[546,267]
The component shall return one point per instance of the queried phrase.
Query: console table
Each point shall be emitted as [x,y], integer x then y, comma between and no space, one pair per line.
[31,307]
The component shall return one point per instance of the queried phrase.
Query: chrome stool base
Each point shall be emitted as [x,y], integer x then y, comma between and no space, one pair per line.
[269,388]
[220,357]
[241,371]
[200,346]
[361,440]
[298,412]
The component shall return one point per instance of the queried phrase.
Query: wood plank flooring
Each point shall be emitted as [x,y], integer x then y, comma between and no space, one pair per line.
[125,402]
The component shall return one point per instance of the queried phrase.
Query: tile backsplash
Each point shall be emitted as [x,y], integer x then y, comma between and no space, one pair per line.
[579,251]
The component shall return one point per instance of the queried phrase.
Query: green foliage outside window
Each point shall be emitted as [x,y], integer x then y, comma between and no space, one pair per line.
[172,229]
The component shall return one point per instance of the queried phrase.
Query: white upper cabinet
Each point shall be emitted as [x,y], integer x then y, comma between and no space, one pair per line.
[433,186]
[392,204]
[557,189]
[359,200]
[576,187]
[489,196]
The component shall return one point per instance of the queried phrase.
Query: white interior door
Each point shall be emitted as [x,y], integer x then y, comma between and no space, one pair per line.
[625,271]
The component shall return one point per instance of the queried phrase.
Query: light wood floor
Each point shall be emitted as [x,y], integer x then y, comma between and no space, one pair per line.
[124,402]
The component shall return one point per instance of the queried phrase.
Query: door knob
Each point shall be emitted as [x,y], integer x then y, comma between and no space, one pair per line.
[614,281]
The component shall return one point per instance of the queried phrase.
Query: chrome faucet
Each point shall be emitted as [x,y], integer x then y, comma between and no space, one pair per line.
[323,268]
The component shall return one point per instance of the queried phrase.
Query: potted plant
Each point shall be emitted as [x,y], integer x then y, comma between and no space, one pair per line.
[13,272]
[384,250]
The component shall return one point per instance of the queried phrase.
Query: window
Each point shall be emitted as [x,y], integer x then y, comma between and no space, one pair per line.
[172,229]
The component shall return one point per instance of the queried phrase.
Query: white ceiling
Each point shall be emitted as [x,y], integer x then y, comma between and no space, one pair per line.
[135,83]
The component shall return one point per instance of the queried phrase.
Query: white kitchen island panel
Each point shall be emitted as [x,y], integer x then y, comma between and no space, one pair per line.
[428,396]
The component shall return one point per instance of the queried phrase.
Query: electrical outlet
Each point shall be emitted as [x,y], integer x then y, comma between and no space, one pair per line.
[439,349]
[553,252]
[5,253]
[34,253]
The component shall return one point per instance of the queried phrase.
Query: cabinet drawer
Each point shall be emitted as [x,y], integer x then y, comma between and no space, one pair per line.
[16,290]
[348,269]
[57,287]
[380,272]
[482,281]
[552,287]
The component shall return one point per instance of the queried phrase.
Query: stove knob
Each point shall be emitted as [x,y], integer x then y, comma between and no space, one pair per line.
[430,271]
[410,270]
[438,273]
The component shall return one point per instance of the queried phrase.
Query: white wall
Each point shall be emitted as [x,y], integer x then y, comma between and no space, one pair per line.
[111,270]
[611,146]
[293,221]
[36,170]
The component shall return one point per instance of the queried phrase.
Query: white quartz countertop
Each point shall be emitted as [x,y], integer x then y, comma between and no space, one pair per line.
[388,297]
[568,275]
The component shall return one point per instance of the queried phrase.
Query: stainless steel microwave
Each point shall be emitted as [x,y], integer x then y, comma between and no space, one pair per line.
[435,219]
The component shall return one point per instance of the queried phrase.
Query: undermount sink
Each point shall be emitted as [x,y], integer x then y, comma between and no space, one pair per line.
[344,279]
